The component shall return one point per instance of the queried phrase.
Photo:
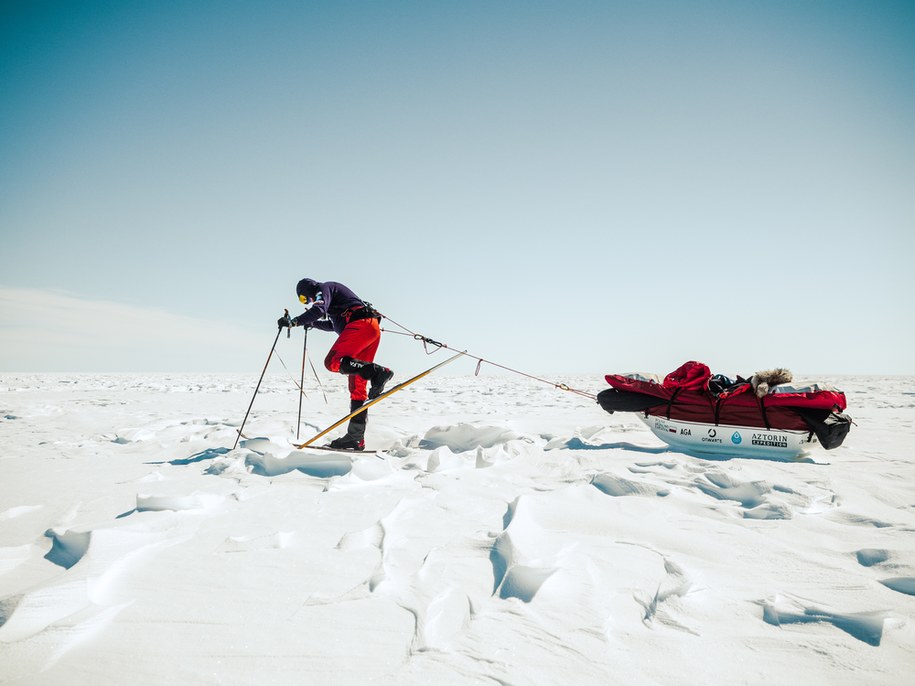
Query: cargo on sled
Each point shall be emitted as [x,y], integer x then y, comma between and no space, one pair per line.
[765,415]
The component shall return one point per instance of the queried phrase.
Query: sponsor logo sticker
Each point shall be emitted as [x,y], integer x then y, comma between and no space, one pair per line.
[770,440]
[712,437]
[661,425]
[735,438]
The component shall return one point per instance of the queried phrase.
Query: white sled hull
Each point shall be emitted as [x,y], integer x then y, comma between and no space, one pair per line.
[727,440]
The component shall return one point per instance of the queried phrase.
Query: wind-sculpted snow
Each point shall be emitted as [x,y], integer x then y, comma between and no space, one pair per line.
[871,556]
[268,464]
[619,486]
[902,584]
[68,547]
[463,437]
[505,532]
[864,626]
[192,501]
[513,578]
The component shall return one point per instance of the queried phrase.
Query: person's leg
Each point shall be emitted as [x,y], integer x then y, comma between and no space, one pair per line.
[354,438]
[353,353]
[355,340]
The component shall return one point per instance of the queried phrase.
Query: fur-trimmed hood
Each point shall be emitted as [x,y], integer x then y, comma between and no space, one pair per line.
[762,382]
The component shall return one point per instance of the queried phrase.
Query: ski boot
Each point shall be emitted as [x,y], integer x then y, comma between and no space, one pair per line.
[354,438]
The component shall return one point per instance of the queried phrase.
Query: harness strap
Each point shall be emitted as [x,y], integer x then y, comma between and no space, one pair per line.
[354,314]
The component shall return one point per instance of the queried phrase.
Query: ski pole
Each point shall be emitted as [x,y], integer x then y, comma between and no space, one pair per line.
[279,330]
[298,422]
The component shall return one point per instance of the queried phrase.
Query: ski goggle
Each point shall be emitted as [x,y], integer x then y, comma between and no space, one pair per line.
[303,299]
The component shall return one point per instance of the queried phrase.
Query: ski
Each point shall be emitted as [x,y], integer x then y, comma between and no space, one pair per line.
[343,450]
[386,394]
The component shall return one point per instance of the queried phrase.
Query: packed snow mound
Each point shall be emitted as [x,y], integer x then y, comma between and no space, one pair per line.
[463,437]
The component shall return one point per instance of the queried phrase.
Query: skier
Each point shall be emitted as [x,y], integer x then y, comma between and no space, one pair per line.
[334,307]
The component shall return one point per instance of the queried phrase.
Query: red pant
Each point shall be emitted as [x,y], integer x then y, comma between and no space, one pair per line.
[358,340]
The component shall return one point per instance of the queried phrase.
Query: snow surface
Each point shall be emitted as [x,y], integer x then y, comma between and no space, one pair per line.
[512,534]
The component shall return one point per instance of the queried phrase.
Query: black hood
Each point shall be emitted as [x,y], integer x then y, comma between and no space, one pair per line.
[308,287]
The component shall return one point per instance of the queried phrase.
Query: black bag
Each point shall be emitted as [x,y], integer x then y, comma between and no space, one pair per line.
[830,428]
[613,400]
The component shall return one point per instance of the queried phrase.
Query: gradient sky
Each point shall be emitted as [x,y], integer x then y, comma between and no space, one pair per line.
[562,187]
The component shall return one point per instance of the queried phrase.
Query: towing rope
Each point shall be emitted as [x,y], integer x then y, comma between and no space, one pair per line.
[437,345]
[296,383]
[291,378]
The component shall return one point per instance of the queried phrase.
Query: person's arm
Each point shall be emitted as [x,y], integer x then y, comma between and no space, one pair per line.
[310,317]
[323,324]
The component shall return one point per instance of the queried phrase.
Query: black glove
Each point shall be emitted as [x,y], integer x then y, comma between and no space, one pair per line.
[285,320]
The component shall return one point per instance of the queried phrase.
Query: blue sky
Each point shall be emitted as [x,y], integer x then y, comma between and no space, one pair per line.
[560,187]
